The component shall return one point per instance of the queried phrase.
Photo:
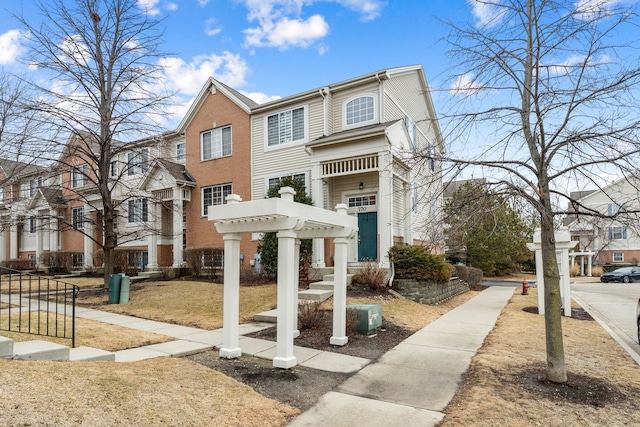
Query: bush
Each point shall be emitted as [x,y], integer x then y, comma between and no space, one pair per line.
[372,276]
[417,263]
[574,270]
[461,272]
[310,315]
[596,271]
[58,262]
[205,261]
[475,277]
[19,264]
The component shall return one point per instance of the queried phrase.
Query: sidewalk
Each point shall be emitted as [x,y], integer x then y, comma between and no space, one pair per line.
[416,380]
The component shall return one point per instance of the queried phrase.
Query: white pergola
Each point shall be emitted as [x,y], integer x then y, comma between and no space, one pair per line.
[291,221]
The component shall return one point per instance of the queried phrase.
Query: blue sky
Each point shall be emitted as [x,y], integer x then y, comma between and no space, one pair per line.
[274,48]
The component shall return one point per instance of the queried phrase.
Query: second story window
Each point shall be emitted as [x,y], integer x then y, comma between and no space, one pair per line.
[113,169]
[616,208]
[617,233]
[181,151]
[216,143]
[34,184]
[32,224]
[138,211]
[137,161]
[77,218]
[287,126]
[359,110]
[79,176]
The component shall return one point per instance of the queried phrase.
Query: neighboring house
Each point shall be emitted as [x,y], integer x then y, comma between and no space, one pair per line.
[351,142]
[607,223]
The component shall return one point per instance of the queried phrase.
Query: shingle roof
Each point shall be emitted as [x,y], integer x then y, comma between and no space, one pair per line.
[15,169]
[53,196]
[177,170]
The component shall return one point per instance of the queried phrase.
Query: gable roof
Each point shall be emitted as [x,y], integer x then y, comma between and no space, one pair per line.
[15,169]
[177,171]
[51,195]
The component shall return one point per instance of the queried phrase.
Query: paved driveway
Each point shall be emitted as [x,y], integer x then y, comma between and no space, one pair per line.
[614,306]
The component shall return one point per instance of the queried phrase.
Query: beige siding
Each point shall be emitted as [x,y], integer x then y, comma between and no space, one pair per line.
[339,99]
[349,185]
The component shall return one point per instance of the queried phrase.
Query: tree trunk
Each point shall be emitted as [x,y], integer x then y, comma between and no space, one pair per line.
[556,370]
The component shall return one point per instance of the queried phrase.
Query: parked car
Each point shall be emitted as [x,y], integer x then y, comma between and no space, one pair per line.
[624,274]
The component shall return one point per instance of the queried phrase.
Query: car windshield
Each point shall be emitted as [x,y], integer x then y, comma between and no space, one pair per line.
[623,270]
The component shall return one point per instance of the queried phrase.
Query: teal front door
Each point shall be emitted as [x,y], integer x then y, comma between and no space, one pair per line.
[367,236]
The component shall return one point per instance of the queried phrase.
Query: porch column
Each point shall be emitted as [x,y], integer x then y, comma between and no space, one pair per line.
[39,239]
[589,264]
[287,262]
[88,242]
[53,232]
[317,194]
[231,304]
[3,241]
[177,227]
[385,218]
[13,237]
[152,239]
[339,336]
[296,281]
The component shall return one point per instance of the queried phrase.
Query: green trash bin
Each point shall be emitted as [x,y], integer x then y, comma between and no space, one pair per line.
[125,284]
[114,288]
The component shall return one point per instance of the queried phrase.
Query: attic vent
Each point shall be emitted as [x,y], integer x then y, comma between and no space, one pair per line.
[350,166]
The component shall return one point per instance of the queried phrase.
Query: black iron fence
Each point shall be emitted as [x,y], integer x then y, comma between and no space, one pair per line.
[37,305]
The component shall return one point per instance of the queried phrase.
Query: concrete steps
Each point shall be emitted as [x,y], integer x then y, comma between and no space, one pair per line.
[45,350]
[317,292]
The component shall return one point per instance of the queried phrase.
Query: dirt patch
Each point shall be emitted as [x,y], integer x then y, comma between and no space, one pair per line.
[576,313]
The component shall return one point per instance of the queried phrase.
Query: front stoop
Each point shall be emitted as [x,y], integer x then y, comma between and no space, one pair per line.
[270,316]
[40,350]
[315,295]
[86,354]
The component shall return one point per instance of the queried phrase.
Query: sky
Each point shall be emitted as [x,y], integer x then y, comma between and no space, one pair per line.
[274,48]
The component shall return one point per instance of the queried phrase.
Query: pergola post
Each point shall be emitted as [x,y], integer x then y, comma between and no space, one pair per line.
[339,336]
[296,281]
[231,304]
[286,294]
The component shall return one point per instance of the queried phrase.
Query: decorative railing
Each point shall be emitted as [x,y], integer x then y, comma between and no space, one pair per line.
[37,305]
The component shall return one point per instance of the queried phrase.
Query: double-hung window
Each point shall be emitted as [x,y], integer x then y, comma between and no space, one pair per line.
[216,143]
[287,126]
[138,211]
[272,182]
[180,151]
[616,208]
[138,161]
[214,195]
[617,232]
[77,218]
[32,224]
[79,176]
[618,257]
[113,169]
[34,184]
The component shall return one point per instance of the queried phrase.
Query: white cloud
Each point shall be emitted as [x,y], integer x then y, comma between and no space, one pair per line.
[211,29]
[203,2]
[288,32]
[72,49]
[149,6]
[259,97]
[172,6]
[369,9]
[188,78]
[465,85]
[489,14]
[10,47]
[587,9]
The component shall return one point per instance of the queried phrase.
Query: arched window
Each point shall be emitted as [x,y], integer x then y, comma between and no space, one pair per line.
[360,110]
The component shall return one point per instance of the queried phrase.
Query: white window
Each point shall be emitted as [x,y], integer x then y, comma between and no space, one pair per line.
[77,218]
[272,182]
[214,195]
[360,110]
[617,233]
[77,260]
[138,161]
[285,127]
[411,129]
[358,201]
[616,208]
[1,195]
[216,143]
[138,211]
[79,176]
[113,169]
[180,151]
[414,197]
[34,184]
[32,224]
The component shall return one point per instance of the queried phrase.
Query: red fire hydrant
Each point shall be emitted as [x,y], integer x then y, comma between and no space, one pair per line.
[525,287]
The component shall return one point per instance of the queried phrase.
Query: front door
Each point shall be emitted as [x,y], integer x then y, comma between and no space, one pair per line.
[367,236]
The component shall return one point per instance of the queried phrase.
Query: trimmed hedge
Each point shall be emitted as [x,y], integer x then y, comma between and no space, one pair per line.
[417,263]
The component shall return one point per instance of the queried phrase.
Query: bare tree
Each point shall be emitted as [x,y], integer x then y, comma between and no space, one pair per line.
[97,64]
[552,88]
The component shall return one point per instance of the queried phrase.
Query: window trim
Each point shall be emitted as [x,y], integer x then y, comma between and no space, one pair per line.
[135,166]
[205,208]
[181,151]
[77,218]
[32,225]
[294,174]
[221,129]
[373,120]
[613,257]
[616,230]
[79,176]
[113,169]
[305,121]
[143,217]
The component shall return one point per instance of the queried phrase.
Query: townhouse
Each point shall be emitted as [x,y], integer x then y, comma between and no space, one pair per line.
[351,142]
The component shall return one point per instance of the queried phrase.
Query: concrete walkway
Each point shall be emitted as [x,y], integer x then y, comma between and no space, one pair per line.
[416,380]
